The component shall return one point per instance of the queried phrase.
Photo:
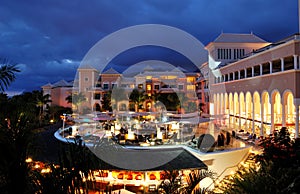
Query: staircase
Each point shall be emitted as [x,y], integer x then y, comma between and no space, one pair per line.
[227,182]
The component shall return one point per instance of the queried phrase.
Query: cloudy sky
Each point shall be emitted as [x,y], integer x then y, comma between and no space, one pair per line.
[48,39]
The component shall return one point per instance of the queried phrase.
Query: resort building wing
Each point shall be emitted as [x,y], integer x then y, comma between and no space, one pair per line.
[259,91]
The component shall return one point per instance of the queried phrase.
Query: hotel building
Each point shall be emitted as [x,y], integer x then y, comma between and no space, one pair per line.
[257,92]
[248,84]
[94,85]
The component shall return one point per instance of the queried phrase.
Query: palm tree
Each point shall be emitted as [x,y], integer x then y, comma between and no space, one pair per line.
[137,97]
[194,179]
[15,142]
[172,183]
[182,101]
[4,101]
[106,102]
[74,173]
[41,100]
[76,99]
[117,95]
[7,73]
[279,167]
[171,101]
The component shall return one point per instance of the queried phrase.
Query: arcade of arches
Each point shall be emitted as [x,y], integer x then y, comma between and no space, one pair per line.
[259,113]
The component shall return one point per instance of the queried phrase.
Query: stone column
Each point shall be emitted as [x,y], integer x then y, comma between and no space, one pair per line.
[253,116]
[229,112]
[262,118]
[215,104]
[240,110]
[252,68]
[297,103]
[247,112]
[224,104]
[297,122]
[295,62]
[272,117]
[260,69]
[282,64]
[239,74]
[283,114]
[271,67]
[245,73]
[234,112]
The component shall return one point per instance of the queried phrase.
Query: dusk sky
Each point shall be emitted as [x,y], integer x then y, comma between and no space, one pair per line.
[48,39]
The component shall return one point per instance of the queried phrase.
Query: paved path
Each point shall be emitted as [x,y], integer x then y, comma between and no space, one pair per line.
[47,146]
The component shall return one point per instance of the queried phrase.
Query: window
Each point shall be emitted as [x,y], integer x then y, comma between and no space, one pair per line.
[180,87]
[238,53]
[97,96]
[114,85]
[149,87]
[236,75]
[156,87]
[140,86]
[190,87]
[224,53]
[105,86]
[86,79]
[191,79]
[242,74]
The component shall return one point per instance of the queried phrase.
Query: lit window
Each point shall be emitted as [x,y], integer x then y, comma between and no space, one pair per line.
[190,87]
[172,77]
[191,79]
[148,87]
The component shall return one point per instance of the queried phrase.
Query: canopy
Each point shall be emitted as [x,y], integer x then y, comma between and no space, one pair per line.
[116,157]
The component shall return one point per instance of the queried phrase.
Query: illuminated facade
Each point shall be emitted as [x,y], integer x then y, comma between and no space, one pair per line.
[258,92]
[58,92]
[248,83]
[95,85]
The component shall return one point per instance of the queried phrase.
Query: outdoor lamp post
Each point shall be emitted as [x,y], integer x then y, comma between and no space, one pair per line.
[63,118]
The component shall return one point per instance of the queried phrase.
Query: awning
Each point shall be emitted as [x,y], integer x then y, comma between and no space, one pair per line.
[146,159]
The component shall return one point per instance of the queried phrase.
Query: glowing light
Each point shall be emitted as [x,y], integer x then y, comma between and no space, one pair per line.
[28,160]
[45,170]
[159,135]
[130,136]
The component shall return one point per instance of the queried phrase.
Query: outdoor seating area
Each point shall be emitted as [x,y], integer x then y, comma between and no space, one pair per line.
[247,137]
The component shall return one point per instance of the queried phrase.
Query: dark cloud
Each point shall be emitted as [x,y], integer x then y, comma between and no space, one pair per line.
[44,36]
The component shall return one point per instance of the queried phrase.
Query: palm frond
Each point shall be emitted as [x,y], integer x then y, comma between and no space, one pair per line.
[7,73]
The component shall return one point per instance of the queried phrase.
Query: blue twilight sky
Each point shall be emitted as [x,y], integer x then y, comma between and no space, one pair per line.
[49,38]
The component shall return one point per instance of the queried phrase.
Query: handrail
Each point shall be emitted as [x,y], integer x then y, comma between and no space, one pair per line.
[227,168]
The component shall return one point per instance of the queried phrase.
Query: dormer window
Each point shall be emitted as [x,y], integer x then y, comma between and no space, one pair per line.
[224,53]
[238,53]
